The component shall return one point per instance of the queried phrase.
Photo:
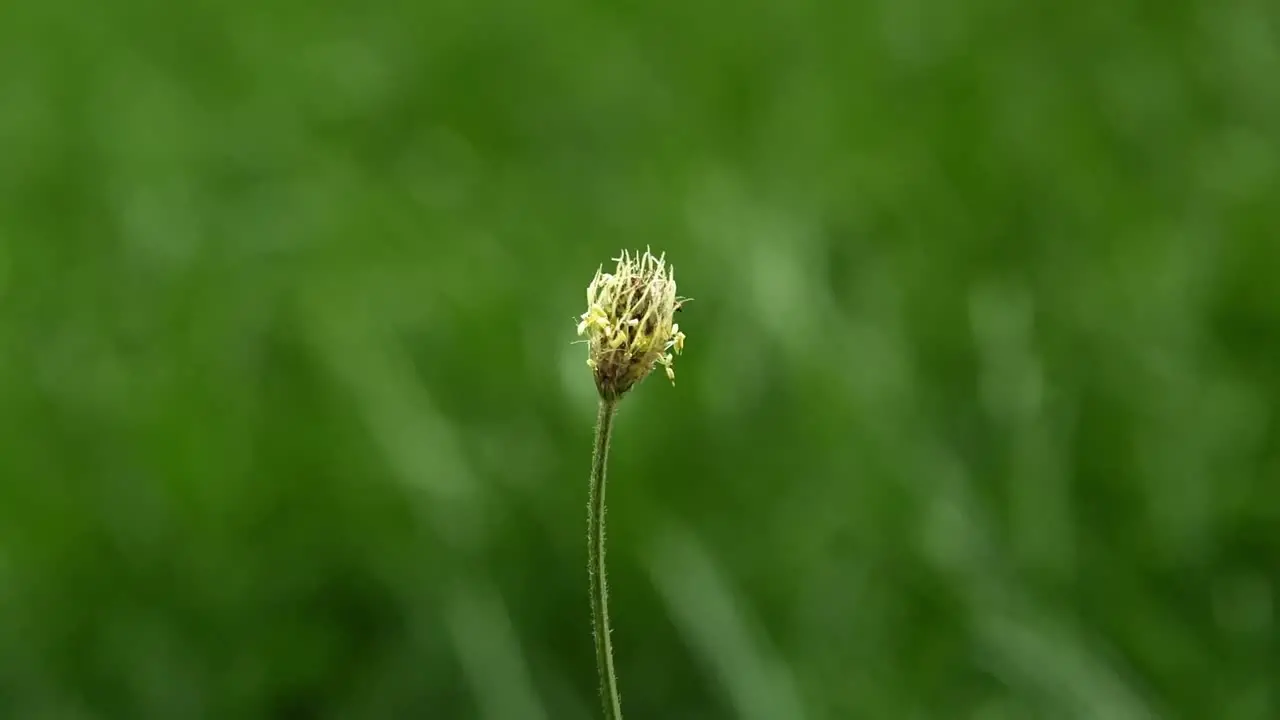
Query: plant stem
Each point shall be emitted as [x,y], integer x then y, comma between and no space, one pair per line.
[609,696]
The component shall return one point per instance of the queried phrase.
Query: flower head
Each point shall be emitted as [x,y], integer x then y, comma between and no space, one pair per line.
[629,324]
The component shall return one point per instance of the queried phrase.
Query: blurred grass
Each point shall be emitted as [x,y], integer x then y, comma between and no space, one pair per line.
[976,419]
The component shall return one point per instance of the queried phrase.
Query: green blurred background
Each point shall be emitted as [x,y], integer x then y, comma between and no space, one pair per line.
[976,417]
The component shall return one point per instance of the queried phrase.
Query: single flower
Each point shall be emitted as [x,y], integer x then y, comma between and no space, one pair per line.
[629,324]
[629,329]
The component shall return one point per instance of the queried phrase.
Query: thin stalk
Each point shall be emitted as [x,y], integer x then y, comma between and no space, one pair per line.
[609,696]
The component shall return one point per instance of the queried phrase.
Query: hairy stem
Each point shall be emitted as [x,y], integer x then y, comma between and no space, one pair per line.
[609,696]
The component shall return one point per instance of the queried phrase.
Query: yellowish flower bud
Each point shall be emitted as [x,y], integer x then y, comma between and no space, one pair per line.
[629,324]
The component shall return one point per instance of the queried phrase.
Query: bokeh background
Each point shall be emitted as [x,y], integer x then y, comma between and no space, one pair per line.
[976,417]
